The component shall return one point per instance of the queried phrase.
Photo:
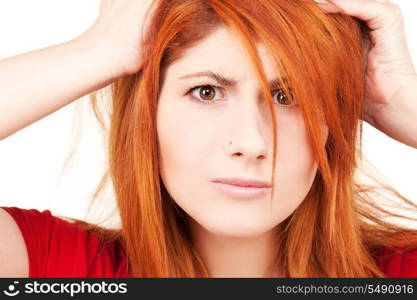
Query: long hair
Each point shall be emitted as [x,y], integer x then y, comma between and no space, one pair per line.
[338,228]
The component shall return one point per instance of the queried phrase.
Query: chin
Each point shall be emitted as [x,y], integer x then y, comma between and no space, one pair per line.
[237,228]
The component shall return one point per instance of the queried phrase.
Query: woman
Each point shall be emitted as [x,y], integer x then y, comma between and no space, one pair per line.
[232,141]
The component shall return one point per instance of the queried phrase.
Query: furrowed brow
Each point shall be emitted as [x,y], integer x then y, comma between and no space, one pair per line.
[220,79]
[224,81]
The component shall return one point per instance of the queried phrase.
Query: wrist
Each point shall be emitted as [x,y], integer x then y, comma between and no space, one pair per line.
[102,54]
[118,59]
[86,64]
[398,117]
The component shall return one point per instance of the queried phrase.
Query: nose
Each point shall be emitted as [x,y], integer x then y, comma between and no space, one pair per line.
[248,138]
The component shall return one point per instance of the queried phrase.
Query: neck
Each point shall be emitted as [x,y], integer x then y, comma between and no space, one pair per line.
[231,256]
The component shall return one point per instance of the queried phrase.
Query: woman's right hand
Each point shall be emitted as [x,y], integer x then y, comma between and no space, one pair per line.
[54,76]
[120,29]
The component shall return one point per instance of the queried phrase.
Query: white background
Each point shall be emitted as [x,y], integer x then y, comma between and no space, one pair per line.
[31,160]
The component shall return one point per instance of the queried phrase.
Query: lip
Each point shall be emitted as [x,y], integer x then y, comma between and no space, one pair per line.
[243,182]
[241,188]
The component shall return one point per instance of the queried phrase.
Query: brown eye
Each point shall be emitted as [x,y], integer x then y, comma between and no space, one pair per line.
[207,92]
[283,99]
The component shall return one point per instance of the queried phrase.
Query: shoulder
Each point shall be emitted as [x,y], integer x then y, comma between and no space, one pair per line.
[398,262]
[13,260]
[58,247]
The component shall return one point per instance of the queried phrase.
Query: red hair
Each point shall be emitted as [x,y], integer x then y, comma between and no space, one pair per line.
[338,227]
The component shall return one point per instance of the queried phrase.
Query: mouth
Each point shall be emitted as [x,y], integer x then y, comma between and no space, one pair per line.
[239,188]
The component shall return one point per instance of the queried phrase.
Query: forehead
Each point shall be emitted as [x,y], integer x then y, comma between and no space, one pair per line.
[222,51]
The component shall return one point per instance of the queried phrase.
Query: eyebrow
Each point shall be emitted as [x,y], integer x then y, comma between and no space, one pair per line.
[224,81]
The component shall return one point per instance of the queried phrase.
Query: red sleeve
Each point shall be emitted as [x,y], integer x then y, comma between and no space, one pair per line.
[398,265]
[59,248]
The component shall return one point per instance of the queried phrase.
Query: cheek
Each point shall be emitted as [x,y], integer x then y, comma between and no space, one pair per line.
[295,167]
[185,141]
[294,157]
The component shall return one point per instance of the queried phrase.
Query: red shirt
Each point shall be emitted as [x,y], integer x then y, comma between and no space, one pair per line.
[59,248]
[397,265]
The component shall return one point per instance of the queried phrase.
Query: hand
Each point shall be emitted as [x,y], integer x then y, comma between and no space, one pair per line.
[120,29]
[390,75]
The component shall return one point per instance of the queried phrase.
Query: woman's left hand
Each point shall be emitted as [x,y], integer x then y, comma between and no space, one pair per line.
[391,79]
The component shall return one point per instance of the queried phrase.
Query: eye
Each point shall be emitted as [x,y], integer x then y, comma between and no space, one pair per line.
[282,98]
[204,94]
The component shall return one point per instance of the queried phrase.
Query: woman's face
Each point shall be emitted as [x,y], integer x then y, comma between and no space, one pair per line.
[224,130]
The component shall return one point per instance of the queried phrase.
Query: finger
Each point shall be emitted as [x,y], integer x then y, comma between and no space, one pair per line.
[327,6]
[370,11]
